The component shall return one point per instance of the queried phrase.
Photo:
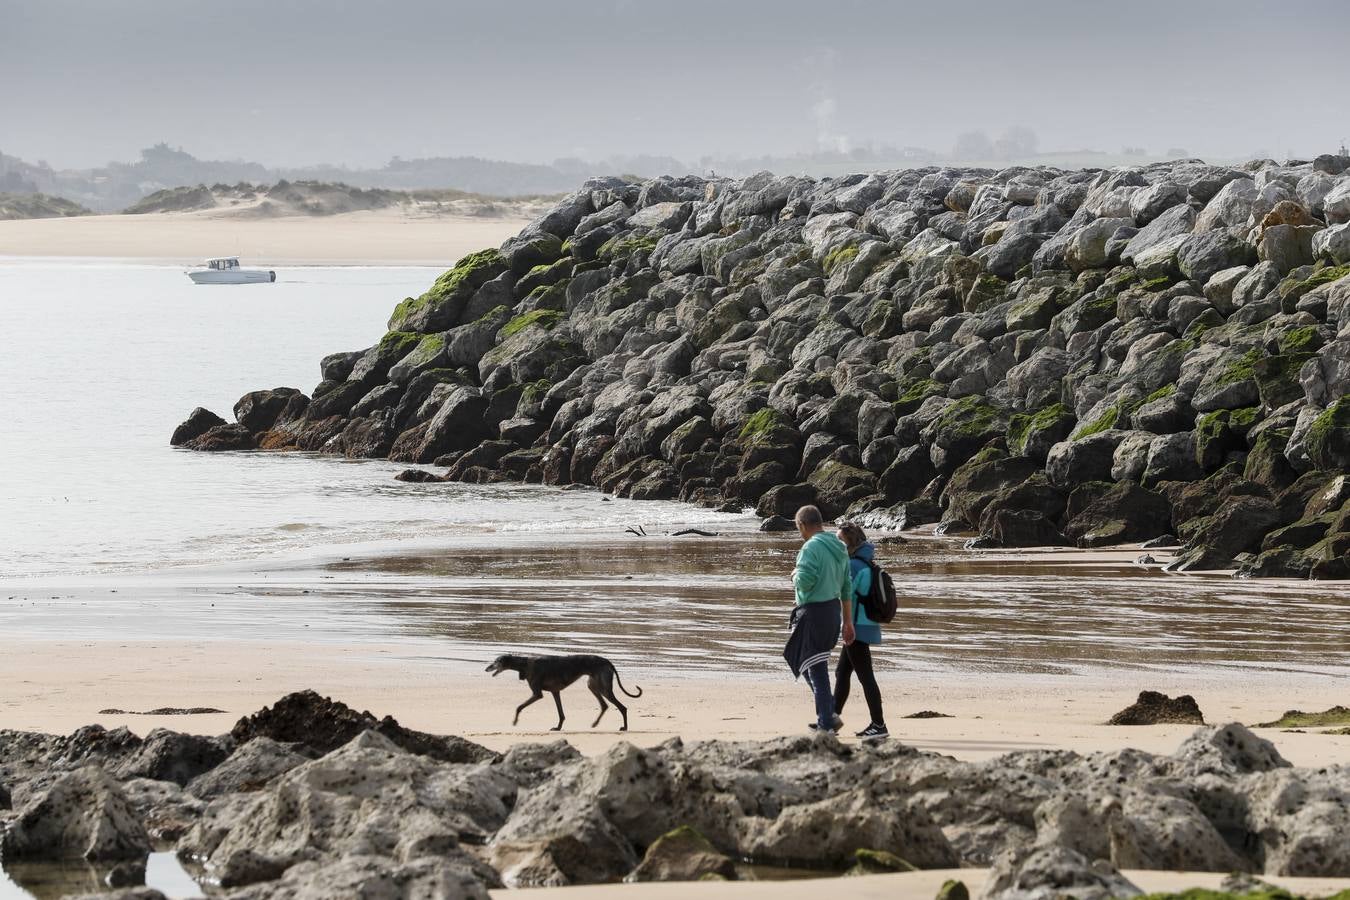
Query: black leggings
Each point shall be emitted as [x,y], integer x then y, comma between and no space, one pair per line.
[857,657]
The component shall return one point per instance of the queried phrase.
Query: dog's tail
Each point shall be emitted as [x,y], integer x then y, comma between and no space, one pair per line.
[619,682]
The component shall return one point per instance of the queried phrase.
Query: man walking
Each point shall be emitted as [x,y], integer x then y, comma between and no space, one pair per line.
[824,590]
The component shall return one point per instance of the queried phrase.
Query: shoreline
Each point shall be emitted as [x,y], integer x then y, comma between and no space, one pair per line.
[375,238]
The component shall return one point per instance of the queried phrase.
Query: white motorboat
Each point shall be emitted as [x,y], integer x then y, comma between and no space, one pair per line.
[226,270]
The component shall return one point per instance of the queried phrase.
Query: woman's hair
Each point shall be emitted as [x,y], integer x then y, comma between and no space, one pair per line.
[853,535]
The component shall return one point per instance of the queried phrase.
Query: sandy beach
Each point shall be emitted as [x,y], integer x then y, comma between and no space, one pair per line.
[380,237]
[57,686]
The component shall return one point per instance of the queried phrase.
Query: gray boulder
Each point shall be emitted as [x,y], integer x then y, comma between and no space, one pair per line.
[1090,458]
[82,814]
[1204,253]
[1053,873]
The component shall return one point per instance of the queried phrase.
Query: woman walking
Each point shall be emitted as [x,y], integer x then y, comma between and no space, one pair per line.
[857,656]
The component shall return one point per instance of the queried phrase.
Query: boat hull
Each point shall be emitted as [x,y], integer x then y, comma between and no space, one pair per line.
[234,276]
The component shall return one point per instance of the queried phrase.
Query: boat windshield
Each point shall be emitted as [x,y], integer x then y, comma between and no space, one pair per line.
[226,263]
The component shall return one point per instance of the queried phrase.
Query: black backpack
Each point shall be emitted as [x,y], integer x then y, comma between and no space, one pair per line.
[880,603]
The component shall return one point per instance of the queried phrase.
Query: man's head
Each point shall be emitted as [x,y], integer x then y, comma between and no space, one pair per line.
[809,521]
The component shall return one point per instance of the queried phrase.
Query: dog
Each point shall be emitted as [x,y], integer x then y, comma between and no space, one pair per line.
[554,673]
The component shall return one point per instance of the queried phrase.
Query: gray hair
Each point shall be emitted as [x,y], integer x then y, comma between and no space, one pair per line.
[810,515]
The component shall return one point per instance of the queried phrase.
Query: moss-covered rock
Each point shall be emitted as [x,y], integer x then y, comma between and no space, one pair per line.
[549,296]
[543,275]
[986,292]
[683,854]
[1266,462]
[1034,434]
[838,257]
[877,862]
[546,319]
[621,247]
[953,889]
[373,366]
[1276,378]
[838,485]
[1122,513]
[1291,288]
[1305,339]
[429,353]
[1221,432]
[441,306]
[966,426]
[1328,440]
[761,424]
[911,392]
[1108,420]
[883,319]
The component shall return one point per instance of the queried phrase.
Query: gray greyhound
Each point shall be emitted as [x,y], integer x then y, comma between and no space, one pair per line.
[553,673]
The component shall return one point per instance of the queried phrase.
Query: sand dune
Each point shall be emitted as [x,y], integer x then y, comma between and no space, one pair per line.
[391,237]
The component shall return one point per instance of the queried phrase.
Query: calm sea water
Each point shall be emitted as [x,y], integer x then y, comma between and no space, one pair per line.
[100,362]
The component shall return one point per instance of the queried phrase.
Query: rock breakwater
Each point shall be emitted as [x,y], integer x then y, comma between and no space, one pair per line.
[1033,356]
[264,817]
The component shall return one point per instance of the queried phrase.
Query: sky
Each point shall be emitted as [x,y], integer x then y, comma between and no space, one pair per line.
[295,82]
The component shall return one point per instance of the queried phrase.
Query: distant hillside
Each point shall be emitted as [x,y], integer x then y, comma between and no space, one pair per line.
[119,186]
[318,198]
[38,206]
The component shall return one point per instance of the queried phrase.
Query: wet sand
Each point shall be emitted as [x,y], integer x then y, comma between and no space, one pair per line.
[718,605]
[1022,650]
[382,237]
[1019,651]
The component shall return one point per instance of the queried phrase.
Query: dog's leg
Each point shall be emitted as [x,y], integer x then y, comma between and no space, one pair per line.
[596,689]
[607,685]
[537,696]
[557,699]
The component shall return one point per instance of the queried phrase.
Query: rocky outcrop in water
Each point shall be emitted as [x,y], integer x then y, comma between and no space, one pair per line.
[1032,355]
[274,820]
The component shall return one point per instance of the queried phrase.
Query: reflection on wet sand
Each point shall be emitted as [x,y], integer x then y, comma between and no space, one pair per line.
[694,603]
[700,603]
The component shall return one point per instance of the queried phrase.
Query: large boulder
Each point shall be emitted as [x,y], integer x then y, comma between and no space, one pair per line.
[319,725]
[221,438]
[1328,439]
[445,303]
[1055,872]
[1089,458]
[83,814]
[1207,252]
[373,877]
[198,422]
[258,410]
[370,797]
[1124,513]
[1238,526]
[683,855]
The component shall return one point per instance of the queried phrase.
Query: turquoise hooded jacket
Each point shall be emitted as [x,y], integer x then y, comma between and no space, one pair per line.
[822,571]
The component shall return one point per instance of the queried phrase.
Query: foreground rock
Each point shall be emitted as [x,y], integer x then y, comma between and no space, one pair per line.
[84,814]
[683,855]
[1118,337]
[376,818]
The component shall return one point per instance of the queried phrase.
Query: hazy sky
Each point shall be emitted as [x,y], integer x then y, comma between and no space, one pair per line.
[289,82]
